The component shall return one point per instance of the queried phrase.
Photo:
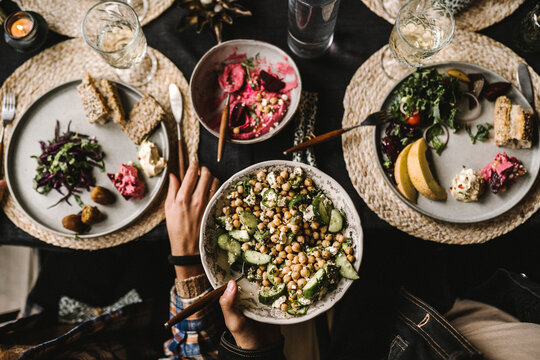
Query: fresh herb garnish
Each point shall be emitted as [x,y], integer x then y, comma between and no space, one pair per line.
[432,136]
[249,63]
[482,132]
[66,163]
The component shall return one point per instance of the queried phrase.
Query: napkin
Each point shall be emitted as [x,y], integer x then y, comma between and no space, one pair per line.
[304,121]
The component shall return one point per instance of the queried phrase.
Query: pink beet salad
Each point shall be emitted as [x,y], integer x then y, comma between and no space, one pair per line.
[502,172]
[128,183]
[261,98]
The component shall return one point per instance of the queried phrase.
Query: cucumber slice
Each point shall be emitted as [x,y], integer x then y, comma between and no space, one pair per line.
[249,220]
[346,269]
[268,296]
[314,284]
[232,257]
[261,236]
[271,271]
[228,244]
[222,221]
[297,200]
[320,210]
[256,258]
[298,311]
[240,235]
[336,221]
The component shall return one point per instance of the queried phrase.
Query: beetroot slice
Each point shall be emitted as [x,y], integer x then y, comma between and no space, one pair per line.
[494,90]
[270,82]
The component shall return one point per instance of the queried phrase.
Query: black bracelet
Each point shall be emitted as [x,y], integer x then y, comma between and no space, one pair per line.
[185,260]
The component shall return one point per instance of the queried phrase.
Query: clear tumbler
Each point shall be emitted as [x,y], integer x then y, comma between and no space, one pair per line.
[311,26]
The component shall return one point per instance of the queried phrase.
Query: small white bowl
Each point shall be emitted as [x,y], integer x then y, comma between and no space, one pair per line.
[215,261]
[204,88]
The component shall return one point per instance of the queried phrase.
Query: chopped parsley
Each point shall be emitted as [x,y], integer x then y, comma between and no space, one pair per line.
[482,132]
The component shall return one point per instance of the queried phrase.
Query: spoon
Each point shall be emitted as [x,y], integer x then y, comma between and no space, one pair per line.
[231,80]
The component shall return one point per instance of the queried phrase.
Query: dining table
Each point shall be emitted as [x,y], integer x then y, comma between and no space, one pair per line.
[391,257]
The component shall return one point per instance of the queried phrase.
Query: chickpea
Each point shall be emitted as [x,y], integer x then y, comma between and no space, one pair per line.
[303,191]
[247,209]
[290,256]
[348,250]
[258,282]
[287,278]
[273,251]
[300,239]
[283,228]
[284,174]
[258,98]
[277,280]
[288,249]
[351,258]
[282,254]
[285,270]
[278,260]
[295,275]
[340,238]
[314,225]
[269,213]
[252,182]
[295,229]
[295,260]
[337,244]
[306,225]
[235,217]
[263,249]
[277,216]
[311,259]
[280,180]
[227,210]
[324,229]
[288,263]
[257,213]
[265,282]
[320,263]
[261,226]
[256,208]
[329,237]
[302,258]
[261,175]
[305,272]
[292,194]
[240,189]
[317,253]
[307,232]
[276,222]
[315,235]
[325,243]
[295,246]
[236,223]
[257,188]
[310,267]
[279,247]
[239,209]
[274,238]
[287,215]
[316,266]
[283,307]
[308,182]
[326,254]
[259,272]
[311,188]
[239,202]
[257,246]
[286,186]
[301,283]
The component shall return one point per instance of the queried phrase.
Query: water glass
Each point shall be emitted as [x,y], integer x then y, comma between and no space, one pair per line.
[422,29]
[113,30]
[311,26]
[527,34]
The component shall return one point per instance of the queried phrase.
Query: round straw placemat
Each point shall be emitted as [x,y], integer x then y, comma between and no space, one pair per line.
[479,15]
[70,60]
[365,94]
[65,17]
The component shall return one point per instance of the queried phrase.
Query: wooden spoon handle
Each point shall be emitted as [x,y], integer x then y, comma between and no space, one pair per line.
[207,299]
[182,164]
[316,140]
[223,129]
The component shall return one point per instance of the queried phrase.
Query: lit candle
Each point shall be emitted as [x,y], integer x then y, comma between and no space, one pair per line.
[22,27]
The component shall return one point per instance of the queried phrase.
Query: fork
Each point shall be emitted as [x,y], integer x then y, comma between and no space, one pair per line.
[8,113]
[377,118]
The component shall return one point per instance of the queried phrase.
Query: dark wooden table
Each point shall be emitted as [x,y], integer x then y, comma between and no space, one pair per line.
[392,258]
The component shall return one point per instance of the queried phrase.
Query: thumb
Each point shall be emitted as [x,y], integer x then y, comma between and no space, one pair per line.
[233,317]
[3,186]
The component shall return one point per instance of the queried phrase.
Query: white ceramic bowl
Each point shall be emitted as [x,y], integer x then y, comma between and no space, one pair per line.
[204,88]
[215,260]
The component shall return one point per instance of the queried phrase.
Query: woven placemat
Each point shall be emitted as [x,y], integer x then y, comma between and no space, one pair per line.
[65,17]
[479,15]
[365,94]
[70,60]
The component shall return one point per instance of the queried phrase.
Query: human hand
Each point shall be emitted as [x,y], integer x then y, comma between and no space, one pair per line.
[248,334]
[184,208]
[3,186]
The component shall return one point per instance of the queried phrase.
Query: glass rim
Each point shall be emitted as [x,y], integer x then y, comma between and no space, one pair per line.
[139,27]
[443,44]
[9,20]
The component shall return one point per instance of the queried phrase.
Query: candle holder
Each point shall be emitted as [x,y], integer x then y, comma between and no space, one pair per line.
[25,31]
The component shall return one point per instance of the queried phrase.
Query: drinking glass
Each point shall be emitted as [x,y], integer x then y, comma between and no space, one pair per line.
[140,7]
[311,26]
[113,30]
[527,33]
[422,29]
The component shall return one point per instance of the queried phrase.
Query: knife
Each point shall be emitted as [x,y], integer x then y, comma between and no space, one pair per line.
[525,83]
[177,107]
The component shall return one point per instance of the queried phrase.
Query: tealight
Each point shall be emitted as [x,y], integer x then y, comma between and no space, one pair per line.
[25,31]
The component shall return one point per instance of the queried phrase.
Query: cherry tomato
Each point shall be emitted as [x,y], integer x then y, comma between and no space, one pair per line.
[414,119]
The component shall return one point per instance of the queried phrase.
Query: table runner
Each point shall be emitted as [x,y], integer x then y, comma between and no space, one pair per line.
[70,60]
[365,94]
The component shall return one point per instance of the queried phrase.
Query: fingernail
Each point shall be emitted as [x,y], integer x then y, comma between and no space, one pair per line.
[230,287]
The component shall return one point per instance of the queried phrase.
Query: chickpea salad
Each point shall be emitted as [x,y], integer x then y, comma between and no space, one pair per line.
[288,236]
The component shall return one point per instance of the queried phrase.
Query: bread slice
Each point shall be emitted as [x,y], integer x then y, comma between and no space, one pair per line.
[513,126]
[95,106]
[109,91]
[143,118]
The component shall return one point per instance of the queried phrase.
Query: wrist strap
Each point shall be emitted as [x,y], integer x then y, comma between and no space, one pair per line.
[185,260]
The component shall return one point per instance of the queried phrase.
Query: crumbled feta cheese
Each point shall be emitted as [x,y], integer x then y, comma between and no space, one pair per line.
[228,223]
[284,97]
[277,304]
[250,199]
[309,214]
[264,102]
[282,201]
[327,202]
[282,238]
[280,102]
[297,171]
[271,178]
[302,300]
[332,250]
[271,229]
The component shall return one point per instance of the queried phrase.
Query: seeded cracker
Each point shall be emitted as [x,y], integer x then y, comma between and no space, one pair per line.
[143,118]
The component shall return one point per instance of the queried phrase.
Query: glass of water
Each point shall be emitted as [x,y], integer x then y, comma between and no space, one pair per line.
[311,26]
[113,30]
[422,29]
